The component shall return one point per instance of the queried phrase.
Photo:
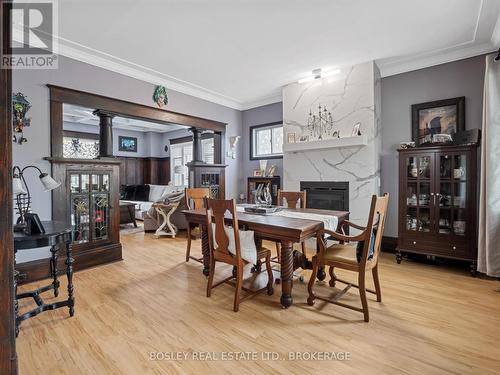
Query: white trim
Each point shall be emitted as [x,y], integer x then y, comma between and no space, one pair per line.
[353,141]
[389,67]
[263,101]
[109,62]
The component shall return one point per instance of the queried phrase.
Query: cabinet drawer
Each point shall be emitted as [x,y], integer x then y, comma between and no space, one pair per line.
[449,249]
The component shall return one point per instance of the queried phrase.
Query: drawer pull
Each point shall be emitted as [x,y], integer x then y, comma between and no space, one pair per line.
[414,242]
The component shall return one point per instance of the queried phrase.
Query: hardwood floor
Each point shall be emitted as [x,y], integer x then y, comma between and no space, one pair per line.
[432,320]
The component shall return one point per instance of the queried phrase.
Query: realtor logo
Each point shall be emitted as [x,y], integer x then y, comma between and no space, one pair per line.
[33,26]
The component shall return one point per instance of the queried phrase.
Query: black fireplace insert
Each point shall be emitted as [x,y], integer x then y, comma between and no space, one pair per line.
[327,195]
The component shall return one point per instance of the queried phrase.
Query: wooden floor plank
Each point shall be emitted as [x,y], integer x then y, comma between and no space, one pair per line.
[432,320]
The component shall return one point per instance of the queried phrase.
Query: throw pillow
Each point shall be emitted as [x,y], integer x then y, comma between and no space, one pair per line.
[130,192]
[142,193]
[156,192]
[247,243]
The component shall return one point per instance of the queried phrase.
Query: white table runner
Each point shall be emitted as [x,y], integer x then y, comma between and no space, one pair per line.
[329,221]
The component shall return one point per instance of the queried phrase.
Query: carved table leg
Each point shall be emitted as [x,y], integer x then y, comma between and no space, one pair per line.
[321,270]
[205,250]
[163,224]
[53,268]
[257,268]
[286,273]
[69,274]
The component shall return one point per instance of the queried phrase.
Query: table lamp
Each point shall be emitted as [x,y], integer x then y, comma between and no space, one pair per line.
[22,194]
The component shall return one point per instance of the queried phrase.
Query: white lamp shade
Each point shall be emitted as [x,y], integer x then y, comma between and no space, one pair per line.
[48,182]
[17,186]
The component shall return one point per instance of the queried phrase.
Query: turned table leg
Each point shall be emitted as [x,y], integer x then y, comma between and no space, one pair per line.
[205,250]
[286,273]
[53,268]
[69,274]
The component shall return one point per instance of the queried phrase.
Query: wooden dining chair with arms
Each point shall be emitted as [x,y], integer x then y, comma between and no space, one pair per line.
[194,200]
[292,198]
[232,246]
[362,258]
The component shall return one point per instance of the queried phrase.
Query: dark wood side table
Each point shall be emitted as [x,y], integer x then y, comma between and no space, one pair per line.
[127,213]
[58,235]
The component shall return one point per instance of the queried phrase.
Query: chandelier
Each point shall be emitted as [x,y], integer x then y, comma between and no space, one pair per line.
[321,125]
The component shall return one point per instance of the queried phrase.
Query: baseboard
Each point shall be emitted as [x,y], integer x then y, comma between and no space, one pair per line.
[40,269]
[389,244]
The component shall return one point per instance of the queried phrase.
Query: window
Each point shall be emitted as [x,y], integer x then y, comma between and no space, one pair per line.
[182,153]
[267,141]
[80,148]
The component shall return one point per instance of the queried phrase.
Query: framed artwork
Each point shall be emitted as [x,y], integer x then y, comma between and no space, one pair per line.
[128,144]
[257,173]
[437,117]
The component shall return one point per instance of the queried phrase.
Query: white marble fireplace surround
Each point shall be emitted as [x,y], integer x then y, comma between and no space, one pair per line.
[352,96]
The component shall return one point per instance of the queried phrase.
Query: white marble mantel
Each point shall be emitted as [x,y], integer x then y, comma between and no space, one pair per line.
[360,140]
[352,96]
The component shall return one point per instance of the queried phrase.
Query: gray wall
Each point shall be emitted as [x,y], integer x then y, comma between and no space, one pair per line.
[258,116]
[81,76]
[399,92]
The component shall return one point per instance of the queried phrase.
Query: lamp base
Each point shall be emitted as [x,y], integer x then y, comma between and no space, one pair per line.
[20,227]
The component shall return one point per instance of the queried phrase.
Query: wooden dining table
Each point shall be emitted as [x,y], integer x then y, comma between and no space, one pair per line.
[282,229]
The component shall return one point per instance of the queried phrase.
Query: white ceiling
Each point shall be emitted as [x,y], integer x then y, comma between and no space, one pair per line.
[240,53]
[82,115]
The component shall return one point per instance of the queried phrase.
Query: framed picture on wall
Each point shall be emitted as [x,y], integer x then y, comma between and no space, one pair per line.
[127,144]
[438,117]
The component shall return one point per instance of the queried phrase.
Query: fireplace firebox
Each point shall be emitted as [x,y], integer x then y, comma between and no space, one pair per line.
[327,195]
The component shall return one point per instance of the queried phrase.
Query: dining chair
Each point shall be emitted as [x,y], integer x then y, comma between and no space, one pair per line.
[227,245]
[291,199]
[361,258]
[194,200]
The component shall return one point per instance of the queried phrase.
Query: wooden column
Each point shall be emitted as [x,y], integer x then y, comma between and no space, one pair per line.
[197,149]
[105,133]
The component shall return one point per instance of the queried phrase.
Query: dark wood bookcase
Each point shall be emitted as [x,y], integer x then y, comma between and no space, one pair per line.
[254,182]
[438,202]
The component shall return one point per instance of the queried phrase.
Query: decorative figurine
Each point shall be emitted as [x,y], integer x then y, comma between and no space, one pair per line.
[20,107]
[160,96]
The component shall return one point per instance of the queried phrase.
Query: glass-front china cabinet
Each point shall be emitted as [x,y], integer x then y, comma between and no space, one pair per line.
[438,202]
[88,199]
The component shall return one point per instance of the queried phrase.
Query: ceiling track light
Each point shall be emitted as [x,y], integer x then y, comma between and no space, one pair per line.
[318,73]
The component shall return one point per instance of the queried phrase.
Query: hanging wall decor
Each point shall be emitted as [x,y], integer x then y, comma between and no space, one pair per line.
[160,96]
[20,107]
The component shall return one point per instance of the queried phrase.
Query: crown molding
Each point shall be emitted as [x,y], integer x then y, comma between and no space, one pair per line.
[112,63]
[276,98]
[393,66]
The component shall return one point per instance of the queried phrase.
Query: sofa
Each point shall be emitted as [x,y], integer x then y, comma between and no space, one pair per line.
[144,196]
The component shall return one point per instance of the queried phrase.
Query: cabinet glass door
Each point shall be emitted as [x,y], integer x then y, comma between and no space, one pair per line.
[90,209]
[418,193]
[452,194]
